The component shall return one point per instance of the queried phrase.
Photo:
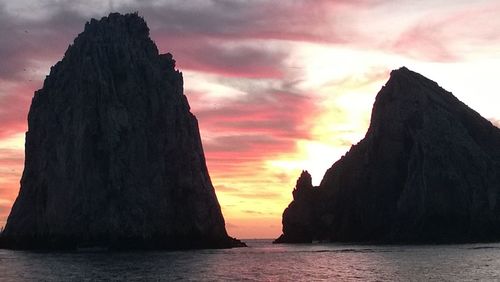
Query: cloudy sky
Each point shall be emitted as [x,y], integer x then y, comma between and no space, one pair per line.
[277,86]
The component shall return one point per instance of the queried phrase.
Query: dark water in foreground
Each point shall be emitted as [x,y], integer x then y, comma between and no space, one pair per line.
[263,261]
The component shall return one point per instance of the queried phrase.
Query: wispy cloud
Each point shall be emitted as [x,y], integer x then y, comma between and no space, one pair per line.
[245,132]
[451,37]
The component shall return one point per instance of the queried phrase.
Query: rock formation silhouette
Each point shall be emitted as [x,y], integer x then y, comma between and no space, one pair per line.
[427,171]
[114,157]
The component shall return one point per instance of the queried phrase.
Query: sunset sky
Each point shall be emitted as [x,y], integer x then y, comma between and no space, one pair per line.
[277,86]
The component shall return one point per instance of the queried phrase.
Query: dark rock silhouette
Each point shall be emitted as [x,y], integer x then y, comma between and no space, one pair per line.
[428,170]
[113,154]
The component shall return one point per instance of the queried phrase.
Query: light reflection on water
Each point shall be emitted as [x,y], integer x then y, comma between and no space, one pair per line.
[263,261]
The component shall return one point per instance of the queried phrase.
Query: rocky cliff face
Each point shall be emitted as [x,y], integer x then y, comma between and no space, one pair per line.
[428,170]
[113,153]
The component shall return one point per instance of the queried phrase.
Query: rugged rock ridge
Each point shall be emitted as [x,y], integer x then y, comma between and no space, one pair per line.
[428,170]
[113,154]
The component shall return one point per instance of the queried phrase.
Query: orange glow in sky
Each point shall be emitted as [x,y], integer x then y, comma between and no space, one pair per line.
[277,88]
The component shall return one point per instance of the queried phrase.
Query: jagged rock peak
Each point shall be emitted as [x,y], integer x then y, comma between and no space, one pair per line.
[406,84]
[303,186]
[403,73]
[130,23]
[304,181]
[115,42]
[410,86]
[114,32]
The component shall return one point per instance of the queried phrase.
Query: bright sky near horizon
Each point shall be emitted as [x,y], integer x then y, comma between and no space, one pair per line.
[277,86]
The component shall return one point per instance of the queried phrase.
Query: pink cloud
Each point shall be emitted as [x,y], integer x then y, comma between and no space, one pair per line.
[423,42]
[445,38]
[11,158]
[251,130]
[215,57]
[11,167]
[279,113]
[244,194]
[293,20]
[15,103]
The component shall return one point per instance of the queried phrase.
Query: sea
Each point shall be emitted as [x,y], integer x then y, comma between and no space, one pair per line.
[262,261]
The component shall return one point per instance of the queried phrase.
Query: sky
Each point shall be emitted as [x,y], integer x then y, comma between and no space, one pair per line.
[277,86]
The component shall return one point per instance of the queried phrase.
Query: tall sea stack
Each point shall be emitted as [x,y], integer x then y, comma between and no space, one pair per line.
[427,171]
[113,154]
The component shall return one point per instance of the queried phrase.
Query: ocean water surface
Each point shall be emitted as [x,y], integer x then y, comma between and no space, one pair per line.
[263,261]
